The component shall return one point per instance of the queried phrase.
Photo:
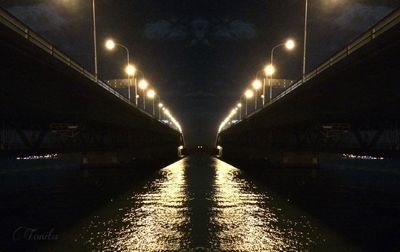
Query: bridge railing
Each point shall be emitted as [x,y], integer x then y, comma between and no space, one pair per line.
[378,29]
[20,28]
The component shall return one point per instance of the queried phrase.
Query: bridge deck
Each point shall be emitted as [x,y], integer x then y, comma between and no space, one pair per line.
[40,83]
[359,83]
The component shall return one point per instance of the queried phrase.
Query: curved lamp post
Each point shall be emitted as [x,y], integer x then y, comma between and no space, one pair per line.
[151,94]
[130,69]
[143,84]
[248,94]
[270,69]
[256,85]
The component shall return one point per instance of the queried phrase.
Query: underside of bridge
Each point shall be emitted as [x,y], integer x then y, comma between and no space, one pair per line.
[351,107]
[48,106]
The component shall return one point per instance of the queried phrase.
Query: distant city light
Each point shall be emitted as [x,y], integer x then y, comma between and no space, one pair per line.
[361,157]
[38,157]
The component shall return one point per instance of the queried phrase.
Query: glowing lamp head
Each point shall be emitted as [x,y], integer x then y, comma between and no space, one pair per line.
[249,93]
[239,105]
[110,44]
[257,84]
[160,105]
[143,84]
[269,70]
[290,44]
[130,70]
[151,94]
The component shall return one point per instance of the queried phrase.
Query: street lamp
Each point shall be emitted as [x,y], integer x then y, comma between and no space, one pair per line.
[160,106]
[143,84]
[130,70]
[269,70]
[256,85]
[239,105]
[151,94]
[248,94]
[136,85]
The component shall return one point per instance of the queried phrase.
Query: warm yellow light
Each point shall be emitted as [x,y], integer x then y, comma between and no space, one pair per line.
[290,44]
[269,70]
[110,44]
[130,70]
[151,93]
[239,105]
[143,84]
[257,84]
[160,105]
[249,93]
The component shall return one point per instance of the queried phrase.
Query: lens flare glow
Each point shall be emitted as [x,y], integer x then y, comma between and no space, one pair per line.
[249,93]
[130,70]
[257,84]
[290,44]
[143,84]
[269,70]
[110,44]
[151,94]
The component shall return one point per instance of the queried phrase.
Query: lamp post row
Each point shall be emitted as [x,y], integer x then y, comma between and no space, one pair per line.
[130,70]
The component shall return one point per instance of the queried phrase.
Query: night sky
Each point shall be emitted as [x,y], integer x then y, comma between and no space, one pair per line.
[200,55]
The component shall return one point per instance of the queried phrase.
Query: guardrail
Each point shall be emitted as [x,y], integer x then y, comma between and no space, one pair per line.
[16,25]
[20,28]
[378,29]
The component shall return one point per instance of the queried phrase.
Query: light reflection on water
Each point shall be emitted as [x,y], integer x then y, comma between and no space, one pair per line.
[244,222]
[155,221]
[164,216]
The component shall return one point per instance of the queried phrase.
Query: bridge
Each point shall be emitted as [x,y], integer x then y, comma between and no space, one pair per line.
[348,104]
[51,104]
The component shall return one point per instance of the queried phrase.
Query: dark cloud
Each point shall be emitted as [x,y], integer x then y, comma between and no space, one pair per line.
[358,17]
[200,30]
[236,29]
[164,29]
[200,94]
[41,17]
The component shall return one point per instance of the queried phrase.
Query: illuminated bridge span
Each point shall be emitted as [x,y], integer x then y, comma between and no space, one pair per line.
[350,103]
[51,104]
